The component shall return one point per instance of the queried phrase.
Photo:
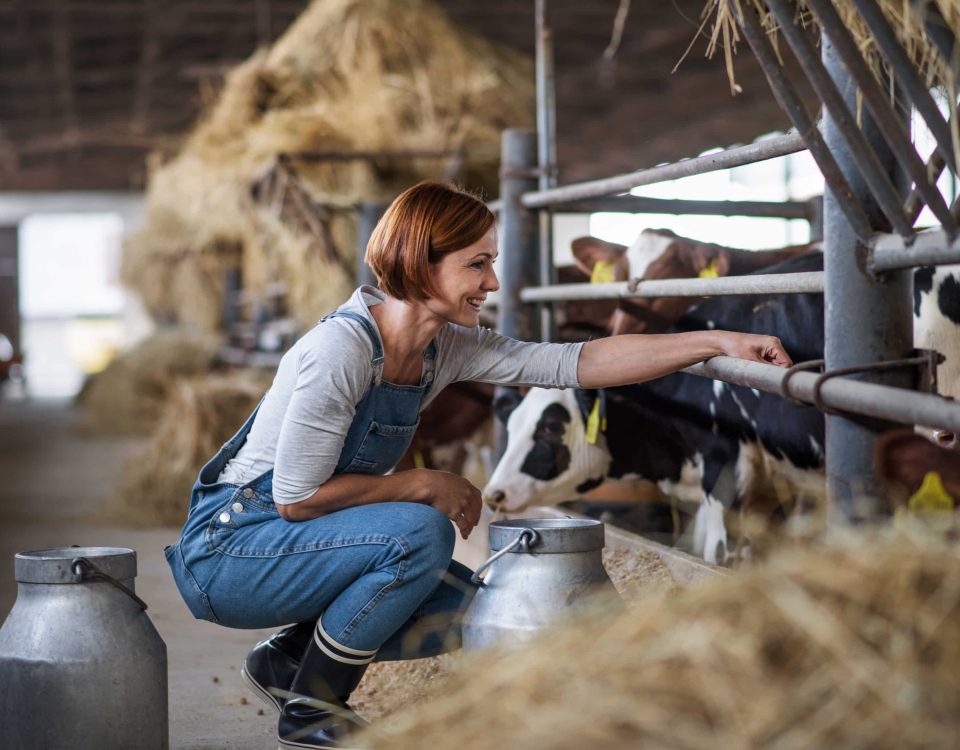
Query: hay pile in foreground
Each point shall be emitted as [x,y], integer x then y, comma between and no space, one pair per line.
[855,643]
[200,415]
[348,79]
[639,577]
[128,397]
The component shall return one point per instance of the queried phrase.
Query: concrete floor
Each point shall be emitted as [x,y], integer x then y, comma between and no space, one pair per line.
[52,484]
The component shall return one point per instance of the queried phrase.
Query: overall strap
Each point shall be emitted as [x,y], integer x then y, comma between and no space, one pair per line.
[368,326]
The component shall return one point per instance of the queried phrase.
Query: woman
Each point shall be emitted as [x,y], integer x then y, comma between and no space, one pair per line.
[297,518]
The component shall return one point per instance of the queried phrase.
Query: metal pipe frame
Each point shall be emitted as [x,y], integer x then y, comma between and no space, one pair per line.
[868,399]
[889,124]
[914,203]
[866,319]
[791,103]
[737,156]
[775,283]
[906,74]
[639,204]
[546,153]
[865,160]
[936,27]
[889,252]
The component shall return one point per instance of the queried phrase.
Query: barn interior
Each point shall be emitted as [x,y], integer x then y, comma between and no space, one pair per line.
[185,188]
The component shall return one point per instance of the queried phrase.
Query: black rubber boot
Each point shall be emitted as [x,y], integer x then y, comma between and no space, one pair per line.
[271,665]
[316,714]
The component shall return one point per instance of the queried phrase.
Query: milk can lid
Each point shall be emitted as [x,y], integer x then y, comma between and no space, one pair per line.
[553,535]
[56,565]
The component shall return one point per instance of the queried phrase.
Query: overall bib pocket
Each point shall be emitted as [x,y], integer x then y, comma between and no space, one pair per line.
[382,448]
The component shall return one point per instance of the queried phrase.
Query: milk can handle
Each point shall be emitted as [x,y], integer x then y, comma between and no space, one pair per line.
[526,538]
[84,570]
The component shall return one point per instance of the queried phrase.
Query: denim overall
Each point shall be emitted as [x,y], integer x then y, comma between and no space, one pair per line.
[381,575]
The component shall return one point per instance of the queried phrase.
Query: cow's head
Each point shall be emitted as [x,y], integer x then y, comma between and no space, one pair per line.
[547,459]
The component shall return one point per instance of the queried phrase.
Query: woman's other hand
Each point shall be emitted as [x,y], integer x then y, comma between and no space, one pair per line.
[753,347]
[453,496]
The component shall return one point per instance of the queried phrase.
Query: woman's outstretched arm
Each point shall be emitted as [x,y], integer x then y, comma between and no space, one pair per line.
[633,358]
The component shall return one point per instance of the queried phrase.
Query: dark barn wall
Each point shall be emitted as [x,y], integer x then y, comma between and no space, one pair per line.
[89,88]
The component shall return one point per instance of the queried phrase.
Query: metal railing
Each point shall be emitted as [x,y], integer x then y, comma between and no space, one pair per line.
[862,194]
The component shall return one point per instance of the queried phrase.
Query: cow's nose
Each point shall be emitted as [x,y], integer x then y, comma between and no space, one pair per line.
[494,499]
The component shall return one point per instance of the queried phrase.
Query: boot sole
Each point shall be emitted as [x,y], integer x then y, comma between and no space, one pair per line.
[260,691]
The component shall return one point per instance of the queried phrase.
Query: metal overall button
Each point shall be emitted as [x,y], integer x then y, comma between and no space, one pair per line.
[248,493]
[224,517]
[237,507]
[525,539]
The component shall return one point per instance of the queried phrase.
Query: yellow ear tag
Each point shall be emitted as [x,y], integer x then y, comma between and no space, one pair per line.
[931,497]
[711,271]
[593,423]
[418,460]
[602,272]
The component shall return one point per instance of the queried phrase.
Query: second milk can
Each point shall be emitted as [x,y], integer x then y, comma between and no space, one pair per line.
[81,665]
[540,569]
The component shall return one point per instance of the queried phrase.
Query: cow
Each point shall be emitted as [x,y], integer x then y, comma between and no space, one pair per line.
[662,254]
[936,325]
[906,463]
[738,447]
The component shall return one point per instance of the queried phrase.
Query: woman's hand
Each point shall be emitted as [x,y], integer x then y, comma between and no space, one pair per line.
[453,496]
[753,347]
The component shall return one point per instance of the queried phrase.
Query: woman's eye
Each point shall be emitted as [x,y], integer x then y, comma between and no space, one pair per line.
[477,265]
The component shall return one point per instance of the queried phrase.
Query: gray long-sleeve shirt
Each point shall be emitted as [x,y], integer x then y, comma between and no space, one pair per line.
[303,421]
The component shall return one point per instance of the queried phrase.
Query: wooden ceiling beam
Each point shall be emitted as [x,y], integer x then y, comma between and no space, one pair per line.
[146,70]
[63,68]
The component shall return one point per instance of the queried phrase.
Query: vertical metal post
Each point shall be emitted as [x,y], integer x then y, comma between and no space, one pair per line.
[368,214]
[546,154]
[815,217]
[518,245]
[866,320]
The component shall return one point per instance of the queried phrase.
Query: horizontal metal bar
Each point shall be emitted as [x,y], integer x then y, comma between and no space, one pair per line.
[775,283]
[737,156]
[868,399]
[889,251]
[888,120]
[639,204]
[868,163]
[791,103]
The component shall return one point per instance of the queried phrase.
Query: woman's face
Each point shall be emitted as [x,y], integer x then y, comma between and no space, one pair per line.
[463,279]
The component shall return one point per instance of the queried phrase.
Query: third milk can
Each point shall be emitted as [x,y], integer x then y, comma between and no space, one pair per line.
[81,665]
[540,569]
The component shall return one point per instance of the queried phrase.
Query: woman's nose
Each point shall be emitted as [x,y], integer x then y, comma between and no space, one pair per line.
[490,282]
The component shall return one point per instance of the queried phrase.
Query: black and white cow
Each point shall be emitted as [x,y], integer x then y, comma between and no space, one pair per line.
[743,448]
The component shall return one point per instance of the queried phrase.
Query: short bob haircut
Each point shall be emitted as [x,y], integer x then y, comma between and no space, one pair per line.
[423,224]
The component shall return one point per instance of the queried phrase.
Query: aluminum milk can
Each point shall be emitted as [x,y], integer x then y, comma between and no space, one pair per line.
[81,665]
[540,569]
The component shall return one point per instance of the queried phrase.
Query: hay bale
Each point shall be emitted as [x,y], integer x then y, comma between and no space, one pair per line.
[126,398]
[852,643]
[198,417]
[348,76]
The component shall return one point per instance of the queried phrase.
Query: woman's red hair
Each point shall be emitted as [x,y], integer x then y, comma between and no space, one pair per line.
[423,224]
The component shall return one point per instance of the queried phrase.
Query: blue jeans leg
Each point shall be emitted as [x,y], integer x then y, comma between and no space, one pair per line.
[435,627]
[366,569]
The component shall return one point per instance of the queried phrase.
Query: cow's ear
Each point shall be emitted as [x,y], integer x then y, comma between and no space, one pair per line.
[588,251]
[504,404]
